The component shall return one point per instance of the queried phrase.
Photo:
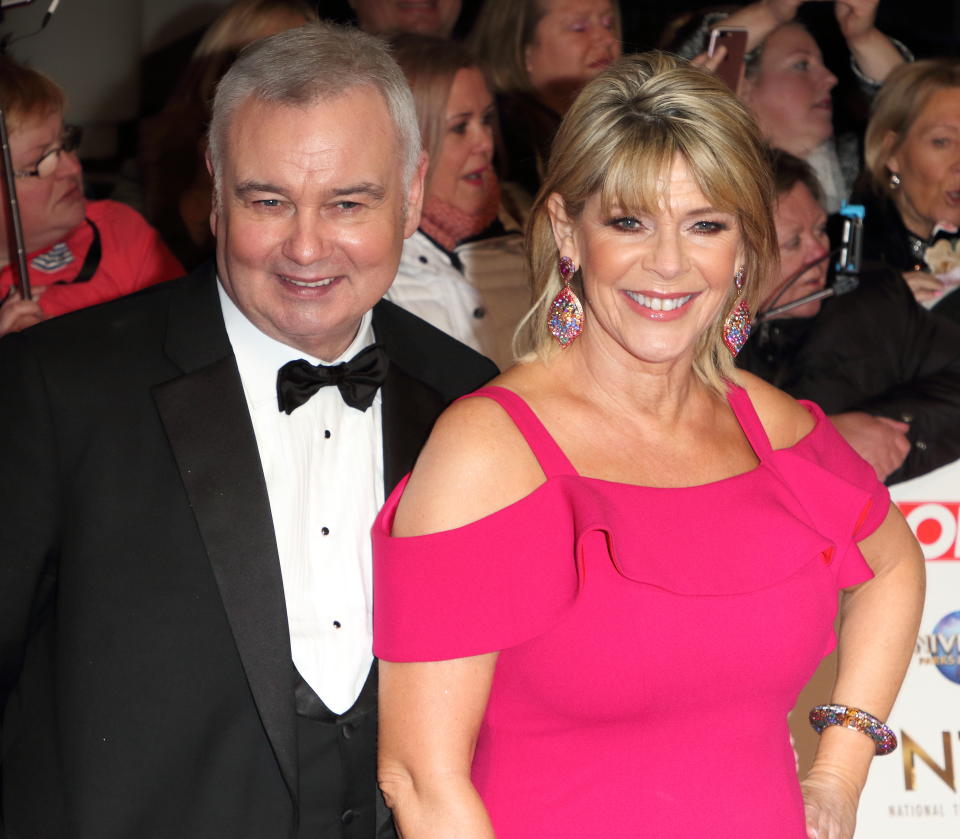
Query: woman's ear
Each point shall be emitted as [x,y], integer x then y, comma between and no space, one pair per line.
[564,229]
[890,147]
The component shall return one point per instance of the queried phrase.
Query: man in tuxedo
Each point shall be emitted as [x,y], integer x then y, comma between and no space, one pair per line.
[185,627]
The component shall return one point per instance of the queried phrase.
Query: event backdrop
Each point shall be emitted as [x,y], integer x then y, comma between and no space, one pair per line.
[913,792]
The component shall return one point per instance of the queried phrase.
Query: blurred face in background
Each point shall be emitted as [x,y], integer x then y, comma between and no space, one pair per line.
[51,207]
[789,94]
[574,40]
[928,162]
[802,237]
[425,17]
[463,175]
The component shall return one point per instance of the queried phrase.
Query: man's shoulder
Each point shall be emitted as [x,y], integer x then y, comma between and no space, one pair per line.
[429,354]
[125,321]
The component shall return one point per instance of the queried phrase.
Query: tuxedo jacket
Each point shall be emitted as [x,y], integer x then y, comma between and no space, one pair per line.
[146,681]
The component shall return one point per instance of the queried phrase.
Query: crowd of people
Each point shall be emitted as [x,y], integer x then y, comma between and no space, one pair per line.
[380,479]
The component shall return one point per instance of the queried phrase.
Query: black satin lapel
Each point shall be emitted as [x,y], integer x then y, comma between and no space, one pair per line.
[207,423]
[409,411]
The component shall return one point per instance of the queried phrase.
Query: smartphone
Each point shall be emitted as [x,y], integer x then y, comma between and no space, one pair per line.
[734,38]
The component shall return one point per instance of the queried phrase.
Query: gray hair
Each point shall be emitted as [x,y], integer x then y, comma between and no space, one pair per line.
[317,62]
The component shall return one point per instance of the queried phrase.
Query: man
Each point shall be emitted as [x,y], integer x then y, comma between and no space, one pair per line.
[391,17]
[185,626]
[885,369]
[78,252]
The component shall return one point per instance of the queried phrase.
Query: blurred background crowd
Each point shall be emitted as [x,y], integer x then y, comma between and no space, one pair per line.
[861,99]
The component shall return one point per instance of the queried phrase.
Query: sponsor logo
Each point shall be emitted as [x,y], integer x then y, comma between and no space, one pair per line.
[936,524]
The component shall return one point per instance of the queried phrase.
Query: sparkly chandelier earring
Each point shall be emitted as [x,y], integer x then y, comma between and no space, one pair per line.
[565,319]
[736,326]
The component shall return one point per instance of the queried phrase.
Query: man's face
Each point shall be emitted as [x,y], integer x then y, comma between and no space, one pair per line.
[50,207]
[390,17]
[311,218]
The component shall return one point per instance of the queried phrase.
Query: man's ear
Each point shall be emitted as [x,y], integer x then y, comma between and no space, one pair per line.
[415,196]
[564,228]
[215,202]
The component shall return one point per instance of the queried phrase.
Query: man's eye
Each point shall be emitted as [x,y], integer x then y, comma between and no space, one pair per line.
[268,203]
[348,205]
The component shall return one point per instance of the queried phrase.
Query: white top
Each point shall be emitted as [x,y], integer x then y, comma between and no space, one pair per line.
[323,466]
[481,306]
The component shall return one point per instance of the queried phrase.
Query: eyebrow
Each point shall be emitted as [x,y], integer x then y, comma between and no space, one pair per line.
[375,191]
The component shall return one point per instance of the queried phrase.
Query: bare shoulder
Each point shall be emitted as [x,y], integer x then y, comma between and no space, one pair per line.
[475,462]
[783,418]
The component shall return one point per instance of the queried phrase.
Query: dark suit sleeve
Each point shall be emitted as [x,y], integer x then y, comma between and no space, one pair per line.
[927,394]
[29,504]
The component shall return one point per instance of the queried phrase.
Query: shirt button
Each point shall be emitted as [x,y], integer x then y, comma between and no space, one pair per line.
[423,259]
[479,312]
[336,624]
[325,531]
[347,816]
[326,433]
[346,730]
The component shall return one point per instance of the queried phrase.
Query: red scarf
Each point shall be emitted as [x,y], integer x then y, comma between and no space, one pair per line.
[448,226]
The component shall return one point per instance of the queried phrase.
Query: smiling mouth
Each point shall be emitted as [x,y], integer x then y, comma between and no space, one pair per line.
[659,304]
[307,283]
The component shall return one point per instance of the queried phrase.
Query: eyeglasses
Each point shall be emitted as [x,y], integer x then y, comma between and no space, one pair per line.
[47,164]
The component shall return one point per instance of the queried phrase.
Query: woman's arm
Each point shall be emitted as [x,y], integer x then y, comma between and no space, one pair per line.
[873,52]
[430,713]
[879,620]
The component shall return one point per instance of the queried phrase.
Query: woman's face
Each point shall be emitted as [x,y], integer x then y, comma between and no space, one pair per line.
[790,93]
[928,162]
[462,174]
[802,237]
[574,40]
[653,283]
[50,207]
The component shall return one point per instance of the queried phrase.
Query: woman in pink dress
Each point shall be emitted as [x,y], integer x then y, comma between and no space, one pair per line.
[610,574]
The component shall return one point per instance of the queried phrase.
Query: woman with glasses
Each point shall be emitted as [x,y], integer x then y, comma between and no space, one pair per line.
[78,253]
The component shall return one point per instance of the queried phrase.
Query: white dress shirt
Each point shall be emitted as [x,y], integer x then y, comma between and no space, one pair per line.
[323,466]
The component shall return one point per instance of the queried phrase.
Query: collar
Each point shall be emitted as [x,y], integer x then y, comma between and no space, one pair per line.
[259,356]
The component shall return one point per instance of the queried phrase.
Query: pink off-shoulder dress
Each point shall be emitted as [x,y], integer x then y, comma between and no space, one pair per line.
[651,641]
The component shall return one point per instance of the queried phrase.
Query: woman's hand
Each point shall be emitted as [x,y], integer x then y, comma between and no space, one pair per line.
[924,285]
[856,18]
[830,805]
[17,313]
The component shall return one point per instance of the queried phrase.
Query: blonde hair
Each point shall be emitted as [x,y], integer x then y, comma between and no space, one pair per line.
[901,100]
[430,65]
[503,31]
[25,93]
[619,138]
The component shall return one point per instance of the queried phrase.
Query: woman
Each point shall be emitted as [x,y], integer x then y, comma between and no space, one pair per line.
[827,350]
[539,54]
[172,146]
[577,551]
[78,252]
[788,87]
[463,270]
[911,183]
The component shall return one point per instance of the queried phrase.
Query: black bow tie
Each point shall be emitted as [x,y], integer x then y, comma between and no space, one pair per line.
[357,379]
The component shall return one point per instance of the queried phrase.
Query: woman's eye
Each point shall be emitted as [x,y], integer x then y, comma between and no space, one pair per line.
[625,223]
[578,26]
[803,65]
[941,142]
[709,226]
[458,128]
[791,244]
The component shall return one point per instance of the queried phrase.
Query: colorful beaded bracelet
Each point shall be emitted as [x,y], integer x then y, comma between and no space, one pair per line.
[853,718]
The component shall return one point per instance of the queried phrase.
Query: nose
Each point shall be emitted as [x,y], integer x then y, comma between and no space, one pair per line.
[665,258]
[603,36]
[483,142]
[827,79]
[68,164]
[308,239]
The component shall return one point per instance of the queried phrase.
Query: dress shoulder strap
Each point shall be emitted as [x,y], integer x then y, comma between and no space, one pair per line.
[746,415]
[549,455]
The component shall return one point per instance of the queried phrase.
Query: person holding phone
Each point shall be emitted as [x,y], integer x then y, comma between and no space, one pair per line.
[788,87]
